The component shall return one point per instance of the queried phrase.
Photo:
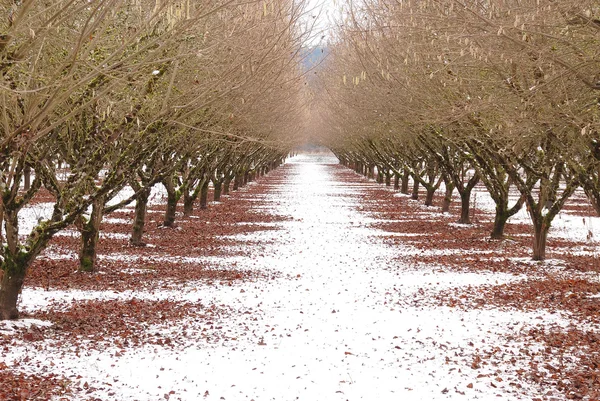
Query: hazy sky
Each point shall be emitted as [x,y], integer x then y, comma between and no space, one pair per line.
[323,11]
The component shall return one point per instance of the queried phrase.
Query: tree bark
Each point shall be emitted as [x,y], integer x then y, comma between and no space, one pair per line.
[236,182]
[90,233]
[14,270]
[11,230]
[226,185]
[1,220]
[415,190]
[499,223]
[188,204]
[447,198]
[465,197]
[388,178]
[204,195]
[396,181]
[429,197]
[16,261]
[218,188]
[169,219]
[405,178]
[26,178]
[540,236]
[499,188]
[465,208]
[139,221]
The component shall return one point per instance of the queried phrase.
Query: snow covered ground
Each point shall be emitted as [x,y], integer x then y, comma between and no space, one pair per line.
[336,325]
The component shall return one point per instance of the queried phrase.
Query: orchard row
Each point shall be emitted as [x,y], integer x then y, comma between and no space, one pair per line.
[502,92]
[98,96]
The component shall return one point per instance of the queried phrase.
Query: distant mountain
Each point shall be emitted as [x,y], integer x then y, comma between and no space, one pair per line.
[313,56]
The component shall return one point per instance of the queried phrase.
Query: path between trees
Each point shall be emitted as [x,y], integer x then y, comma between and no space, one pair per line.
[337,313]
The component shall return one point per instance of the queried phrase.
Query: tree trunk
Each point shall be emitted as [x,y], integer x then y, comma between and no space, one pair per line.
[388,179]
[236,182]
[16,262]
[204,195]
[465,208]
[396,182]
[429,197]
[499,223]
[447,198]
[218,188]
[226,185]
[415,190]
[169,219]
[11,230]
[27,178]
[405,178]
[540,235]
[90,232]
[371,172]
[188,204]
[14,271]
[379,178]
[1,220]
[139,221]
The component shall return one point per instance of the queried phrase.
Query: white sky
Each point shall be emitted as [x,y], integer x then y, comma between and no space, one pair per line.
[323,11]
